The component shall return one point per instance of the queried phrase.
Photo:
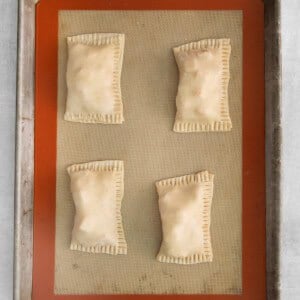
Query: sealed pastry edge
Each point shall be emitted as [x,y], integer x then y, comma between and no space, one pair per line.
[207,179]
[98,39]
[106,166]
[225,123]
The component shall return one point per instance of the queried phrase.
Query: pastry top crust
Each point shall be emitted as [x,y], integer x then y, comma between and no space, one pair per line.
[184,205]
[93,78]
[97,190]
[202,97]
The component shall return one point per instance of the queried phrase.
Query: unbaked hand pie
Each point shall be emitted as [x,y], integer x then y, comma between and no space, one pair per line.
[97,189]
[184,205]
[202,97]
[93,78]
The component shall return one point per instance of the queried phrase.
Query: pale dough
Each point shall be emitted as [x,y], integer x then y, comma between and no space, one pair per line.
[184,205]
[93,78]
[202,97]
[97,189]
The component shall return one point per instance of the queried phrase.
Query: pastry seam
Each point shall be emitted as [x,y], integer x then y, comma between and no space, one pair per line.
[225,123]
[98,39]
[207,179]
[106,166]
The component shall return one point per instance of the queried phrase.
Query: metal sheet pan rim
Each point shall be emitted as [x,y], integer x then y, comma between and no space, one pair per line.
[24,173]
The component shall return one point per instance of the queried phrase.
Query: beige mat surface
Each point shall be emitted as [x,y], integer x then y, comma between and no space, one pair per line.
[152,151]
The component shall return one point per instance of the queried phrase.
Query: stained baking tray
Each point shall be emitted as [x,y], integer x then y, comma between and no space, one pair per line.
[25,148]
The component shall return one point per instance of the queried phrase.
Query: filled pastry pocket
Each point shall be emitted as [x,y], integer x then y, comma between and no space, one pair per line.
[97,189]
[93,78]
[202,96]
[184,205]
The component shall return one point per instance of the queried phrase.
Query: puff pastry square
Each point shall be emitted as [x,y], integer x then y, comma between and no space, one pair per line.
[202,97]
[97,189]
[93,78]
[184,205]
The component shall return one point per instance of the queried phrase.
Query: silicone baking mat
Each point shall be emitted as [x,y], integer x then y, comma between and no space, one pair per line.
[151,151]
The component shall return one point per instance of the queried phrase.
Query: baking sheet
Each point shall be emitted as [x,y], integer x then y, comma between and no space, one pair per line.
[152,151]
